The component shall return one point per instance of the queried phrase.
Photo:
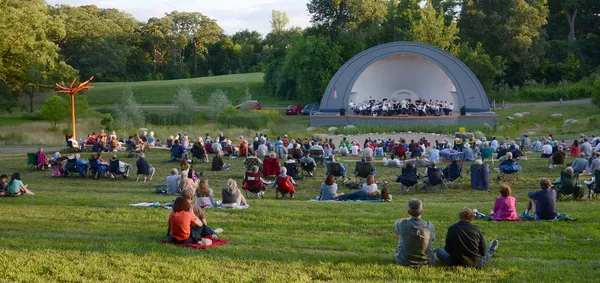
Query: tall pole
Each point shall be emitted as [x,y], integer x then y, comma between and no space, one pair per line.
[73,115]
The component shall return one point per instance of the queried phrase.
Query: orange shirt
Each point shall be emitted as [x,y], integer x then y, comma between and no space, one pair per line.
[180,223]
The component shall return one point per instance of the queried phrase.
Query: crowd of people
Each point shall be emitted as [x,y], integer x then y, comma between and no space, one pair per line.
[390,107]
[465,245]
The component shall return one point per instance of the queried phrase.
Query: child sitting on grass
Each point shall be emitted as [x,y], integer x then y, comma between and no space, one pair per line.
[204,194]
[180,222]
[16,186]
[3,185]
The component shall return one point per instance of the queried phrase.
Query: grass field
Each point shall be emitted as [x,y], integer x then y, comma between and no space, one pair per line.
[163,92]
[77,229]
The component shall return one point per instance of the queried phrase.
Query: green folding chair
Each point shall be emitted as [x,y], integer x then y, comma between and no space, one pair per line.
[569,188]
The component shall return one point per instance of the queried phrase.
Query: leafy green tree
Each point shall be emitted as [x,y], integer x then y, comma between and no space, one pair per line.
[485,67]
[432,28]
[185,105]
[596,92]
[278,21]
[311,63]
[333,17]
[510,29]
[128,112]
[54,108]
[219,101]
[26,40]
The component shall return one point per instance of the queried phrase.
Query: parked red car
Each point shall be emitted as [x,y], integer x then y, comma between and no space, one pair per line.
[294,109]
[254,103]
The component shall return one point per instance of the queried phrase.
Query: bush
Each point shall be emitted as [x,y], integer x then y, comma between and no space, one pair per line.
[53,109]
[596,93]
[107,121]
[128,111]
[255,119]
[566,91]
[185,106]
[218,100]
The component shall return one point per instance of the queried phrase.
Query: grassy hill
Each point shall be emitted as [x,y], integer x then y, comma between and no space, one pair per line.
[163,92]
[77,229]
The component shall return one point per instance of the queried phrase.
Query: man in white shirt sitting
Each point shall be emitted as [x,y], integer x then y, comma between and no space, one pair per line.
[546,150]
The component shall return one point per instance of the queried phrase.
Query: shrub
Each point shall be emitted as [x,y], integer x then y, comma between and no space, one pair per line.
[53,109]
[185,106]
[255,119]
[566,91]
[128,111]
[596,93]
[218,100]
[247,96]
[107,121]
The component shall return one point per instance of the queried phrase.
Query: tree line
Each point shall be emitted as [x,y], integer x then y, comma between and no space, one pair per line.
[505,43]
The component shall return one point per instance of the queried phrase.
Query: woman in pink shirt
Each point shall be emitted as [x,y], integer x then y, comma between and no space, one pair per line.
[505,207]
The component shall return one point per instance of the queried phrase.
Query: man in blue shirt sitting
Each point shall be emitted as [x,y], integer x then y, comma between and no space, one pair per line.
[544,200]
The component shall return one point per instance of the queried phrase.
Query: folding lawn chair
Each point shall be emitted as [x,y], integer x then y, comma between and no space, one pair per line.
[452,175]
[335,169]
[434,180]
[32,163]
[317,155]
[568,188]
[362,171]
[487,153]
[408,179]
[292,170]
[480,176]
[308,168]
[253,185]
[115,170]
[95,169]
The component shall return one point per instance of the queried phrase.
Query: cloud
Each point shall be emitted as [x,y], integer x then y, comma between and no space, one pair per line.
[232,15]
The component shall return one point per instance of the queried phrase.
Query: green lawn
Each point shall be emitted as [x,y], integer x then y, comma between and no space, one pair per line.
[77,229]
[163,92]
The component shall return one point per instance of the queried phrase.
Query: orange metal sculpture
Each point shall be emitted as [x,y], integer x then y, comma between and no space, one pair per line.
[72,90]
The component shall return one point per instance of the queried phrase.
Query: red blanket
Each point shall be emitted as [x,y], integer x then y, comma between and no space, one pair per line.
[215,243]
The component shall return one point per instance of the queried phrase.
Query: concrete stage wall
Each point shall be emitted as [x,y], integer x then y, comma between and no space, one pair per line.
[320,120]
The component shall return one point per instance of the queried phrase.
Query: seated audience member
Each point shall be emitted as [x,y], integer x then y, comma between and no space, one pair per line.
[251,161]
[199,231]
[343,151]
[329,189]
[392,162]
[465,245]
[557,157]
[594,166]
[415,238]
[569,170]
[367,191]
[434,154]
[518,153]
[544,201]
[575,149]
[186,182]
[509,165]
[362,161]
[317,152]
[3,185]
[151,140]
[42,160]
[177,150]
[416,152]
[409,176]
[333,161]
[173,182]
[253,182]
[285,184]
[218,164]
[452,171]
[232,196]
[505,207]
[368,154]
[16,186]
[181,221]
[143,168]
[204,194]
[308,160]
[580,164]
[262,149]
[354,150]
[75,164]
[546,150]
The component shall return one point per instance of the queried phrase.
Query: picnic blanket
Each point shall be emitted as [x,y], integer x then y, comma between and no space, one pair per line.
[359,200]
[167,205]
[215,243]
[527,217]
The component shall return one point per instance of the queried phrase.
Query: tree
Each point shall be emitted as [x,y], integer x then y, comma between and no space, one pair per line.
[485,67]
[128,111]
[432,28]
[53,109]
[508,28]
[185,105]
[278,21]
[311,63]
[333,17]
[596,92]
[26,40]
[218,101]
[156,34]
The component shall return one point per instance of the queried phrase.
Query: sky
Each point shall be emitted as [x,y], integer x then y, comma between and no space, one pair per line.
[231,15]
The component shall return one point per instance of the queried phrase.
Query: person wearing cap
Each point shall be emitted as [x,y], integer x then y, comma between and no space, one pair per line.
[415,237]
[143,168]
[465,245]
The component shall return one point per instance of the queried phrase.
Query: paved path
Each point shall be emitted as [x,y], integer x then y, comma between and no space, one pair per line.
[546,103]
[203,107]
[47,149]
